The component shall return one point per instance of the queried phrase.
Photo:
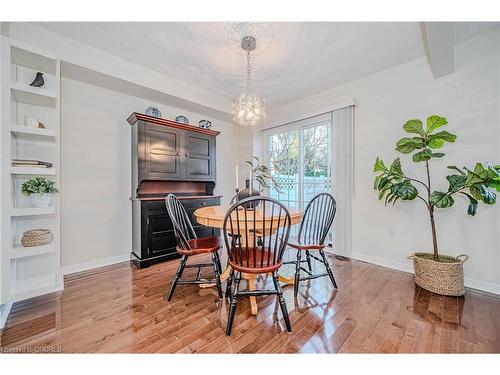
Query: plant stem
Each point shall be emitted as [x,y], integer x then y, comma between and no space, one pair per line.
[431,213]
[420,182]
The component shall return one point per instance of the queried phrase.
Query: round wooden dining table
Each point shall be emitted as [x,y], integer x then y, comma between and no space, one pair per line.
[213,216]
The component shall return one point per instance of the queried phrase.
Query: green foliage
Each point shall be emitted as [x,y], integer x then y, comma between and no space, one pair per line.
[404,190]
[477,185]
[38,185]
[262,174]
[441,200]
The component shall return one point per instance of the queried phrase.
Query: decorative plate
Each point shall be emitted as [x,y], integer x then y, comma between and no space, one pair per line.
[182,120]
[205,124]
[153,111]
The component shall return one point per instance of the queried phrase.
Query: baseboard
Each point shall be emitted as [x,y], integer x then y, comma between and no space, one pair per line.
[95,264]
[408,267]
[4,314]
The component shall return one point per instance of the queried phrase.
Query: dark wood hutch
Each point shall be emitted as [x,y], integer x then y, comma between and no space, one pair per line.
[168,157]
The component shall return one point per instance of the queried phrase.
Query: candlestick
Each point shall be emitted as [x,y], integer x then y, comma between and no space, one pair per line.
[237,178]
[251,182]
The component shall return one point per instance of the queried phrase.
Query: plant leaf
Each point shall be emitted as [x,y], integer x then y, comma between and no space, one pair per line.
[422,156]
[441,200]
[444,135]
[487,195]
[437,155]
[475,192]
[457,181]
[396,168]
[436,143]
[407,145]
[456,168]
[376,181]
[405,190]
[434,122]
[414,126]
[473,203]
[379,166]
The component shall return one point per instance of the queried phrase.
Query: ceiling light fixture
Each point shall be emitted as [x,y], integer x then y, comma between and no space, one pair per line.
[248,108]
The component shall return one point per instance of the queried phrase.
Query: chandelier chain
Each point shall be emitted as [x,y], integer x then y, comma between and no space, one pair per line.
[249,72]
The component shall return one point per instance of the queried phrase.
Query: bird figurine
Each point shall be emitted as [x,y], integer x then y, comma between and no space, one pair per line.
[38,81]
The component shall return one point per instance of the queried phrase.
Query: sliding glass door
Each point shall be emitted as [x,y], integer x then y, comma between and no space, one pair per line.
[300,158]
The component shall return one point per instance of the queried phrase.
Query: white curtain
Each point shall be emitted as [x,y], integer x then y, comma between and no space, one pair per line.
[343,177]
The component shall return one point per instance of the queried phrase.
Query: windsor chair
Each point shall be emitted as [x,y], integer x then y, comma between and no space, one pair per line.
[188,244]
[263,233]
[314,228]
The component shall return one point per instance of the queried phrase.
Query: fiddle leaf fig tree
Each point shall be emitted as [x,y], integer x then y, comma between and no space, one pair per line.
[424,143]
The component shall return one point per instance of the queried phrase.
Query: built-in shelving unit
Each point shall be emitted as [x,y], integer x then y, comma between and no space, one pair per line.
[28,271]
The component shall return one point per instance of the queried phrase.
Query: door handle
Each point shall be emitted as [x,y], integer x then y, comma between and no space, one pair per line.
[187,154]
[178,154]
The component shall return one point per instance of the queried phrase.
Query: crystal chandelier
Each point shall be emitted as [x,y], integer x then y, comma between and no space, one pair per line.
[248,108]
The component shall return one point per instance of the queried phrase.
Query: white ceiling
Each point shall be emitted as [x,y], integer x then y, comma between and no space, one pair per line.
[304,59]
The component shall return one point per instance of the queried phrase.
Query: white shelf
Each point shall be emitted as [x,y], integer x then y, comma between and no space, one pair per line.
[32,211]
[29,171]
[33,95]
[20,251]
[35,286]
[30,133]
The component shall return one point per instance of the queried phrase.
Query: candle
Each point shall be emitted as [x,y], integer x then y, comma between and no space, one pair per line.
[237,178]
[251,182]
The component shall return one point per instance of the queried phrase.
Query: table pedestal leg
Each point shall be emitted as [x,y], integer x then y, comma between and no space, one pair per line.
[286,280]
[251,287]
[223,277]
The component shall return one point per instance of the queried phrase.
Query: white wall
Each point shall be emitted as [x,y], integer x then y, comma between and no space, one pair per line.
[95,171]
[470,100]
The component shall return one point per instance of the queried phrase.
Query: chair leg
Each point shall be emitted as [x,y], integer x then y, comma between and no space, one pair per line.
[229,284]
[217,270]
[178,275]
[234,301]
[328,269]
[297,274]
[308,260]
[282,302]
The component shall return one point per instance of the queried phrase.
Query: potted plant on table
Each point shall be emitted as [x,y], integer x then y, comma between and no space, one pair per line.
[435,272]
[40,190]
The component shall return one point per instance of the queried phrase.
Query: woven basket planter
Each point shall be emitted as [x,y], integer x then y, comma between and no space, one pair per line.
[37,237]
[446,278]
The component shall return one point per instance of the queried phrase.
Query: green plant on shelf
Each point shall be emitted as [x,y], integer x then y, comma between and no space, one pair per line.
[38,185]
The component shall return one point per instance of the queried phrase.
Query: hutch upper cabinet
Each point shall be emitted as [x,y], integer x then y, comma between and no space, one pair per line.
[167,150]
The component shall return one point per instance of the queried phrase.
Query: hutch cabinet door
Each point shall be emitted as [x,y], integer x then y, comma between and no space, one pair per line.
[199,152]
[161,238]
[162,152]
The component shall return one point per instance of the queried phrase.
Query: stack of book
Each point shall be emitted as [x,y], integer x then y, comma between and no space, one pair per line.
[30,163]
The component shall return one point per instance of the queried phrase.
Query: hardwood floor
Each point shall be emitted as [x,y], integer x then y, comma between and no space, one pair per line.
[122,309]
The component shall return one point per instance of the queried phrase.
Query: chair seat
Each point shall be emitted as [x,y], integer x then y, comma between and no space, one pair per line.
[305,245]
[240,265]
[201,245]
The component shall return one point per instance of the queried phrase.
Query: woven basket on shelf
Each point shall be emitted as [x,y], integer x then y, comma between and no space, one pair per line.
[446,278]
[37,237]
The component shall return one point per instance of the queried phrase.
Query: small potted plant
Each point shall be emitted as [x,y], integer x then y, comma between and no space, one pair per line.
[435,272]
[40,190]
